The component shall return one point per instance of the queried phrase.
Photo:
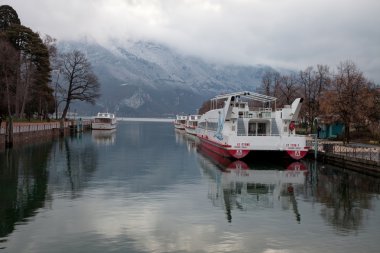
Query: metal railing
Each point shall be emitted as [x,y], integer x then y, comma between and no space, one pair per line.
[370,153]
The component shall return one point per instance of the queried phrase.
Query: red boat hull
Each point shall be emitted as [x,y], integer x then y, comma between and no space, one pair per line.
[223,150]
[297,154]
[227,151]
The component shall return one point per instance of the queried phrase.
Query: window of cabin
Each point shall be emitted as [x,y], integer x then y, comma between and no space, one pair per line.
[261,129]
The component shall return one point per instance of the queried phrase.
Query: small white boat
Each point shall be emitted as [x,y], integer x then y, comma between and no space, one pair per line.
[104,121]
[191,124]
[249,121]
[180,122]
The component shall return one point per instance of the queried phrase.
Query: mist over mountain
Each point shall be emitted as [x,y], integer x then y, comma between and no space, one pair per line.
[145,79]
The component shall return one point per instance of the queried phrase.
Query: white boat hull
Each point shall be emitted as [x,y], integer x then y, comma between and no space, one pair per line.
[102,126]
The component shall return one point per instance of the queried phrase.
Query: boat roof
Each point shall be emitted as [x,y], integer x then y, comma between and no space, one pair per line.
[249,95]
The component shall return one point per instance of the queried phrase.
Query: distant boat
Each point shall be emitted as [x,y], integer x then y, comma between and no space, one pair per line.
[243,122]
[191,124]
[104,121]
[180,122]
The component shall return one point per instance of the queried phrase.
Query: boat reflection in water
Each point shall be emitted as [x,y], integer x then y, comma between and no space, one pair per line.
[236,185]
[104,137]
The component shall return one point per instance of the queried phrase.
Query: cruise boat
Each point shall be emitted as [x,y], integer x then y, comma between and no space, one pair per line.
[191,124]
[104,121]
[243,122]
[180,122]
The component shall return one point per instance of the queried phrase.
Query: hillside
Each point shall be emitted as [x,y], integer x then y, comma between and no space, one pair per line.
[144,79]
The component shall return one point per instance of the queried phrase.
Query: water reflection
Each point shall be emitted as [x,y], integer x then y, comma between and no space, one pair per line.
[346,196]
[237,185]
[25,174]
[73,162]
[154,190]
[104,137]
[180,136]
[23,185]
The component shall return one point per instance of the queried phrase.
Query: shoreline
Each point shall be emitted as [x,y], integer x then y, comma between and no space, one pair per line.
[168,120]
[32,132]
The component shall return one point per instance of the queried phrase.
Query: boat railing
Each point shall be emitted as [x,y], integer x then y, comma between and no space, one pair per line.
[256,114]
[252,134]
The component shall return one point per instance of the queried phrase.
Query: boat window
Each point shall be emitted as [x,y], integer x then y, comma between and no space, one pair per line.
[261,129]
[100,120]
[252,129]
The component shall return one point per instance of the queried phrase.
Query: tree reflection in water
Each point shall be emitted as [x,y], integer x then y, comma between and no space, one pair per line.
[73,164]
[23,184]
[345,195]
[26,172]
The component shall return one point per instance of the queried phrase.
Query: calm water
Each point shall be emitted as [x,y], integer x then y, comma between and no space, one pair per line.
[147,188]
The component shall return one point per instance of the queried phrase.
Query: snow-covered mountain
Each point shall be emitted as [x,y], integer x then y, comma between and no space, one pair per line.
[144,79]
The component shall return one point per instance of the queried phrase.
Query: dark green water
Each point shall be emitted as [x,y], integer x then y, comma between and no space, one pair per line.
[147,188]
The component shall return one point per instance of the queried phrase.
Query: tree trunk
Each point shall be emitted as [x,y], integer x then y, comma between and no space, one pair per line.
[9,133]
[25,88]
[65,110]
[347,133]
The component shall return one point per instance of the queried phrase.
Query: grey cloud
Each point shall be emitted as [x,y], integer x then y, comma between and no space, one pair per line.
[283,33]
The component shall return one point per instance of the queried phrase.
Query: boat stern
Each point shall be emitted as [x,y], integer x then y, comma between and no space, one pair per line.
[238,153]
[297,154]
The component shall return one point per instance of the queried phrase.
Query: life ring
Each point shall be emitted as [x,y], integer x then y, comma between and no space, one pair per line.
[292,126]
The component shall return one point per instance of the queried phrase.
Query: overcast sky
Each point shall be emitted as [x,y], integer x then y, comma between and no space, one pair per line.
[281,33]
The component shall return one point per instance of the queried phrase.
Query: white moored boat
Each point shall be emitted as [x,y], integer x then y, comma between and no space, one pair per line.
[180,122]
[191,124]
[234,129]
[104,121]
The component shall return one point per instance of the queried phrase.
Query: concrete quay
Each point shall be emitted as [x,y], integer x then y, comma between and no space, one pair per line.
[358,157]
[31,132]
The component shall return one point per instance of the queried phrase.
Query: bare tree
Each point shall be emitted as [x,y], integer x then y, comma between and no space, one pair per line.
[270,82]
[287,89]
[313,83]
[350,97]
[80,83]
[50,44]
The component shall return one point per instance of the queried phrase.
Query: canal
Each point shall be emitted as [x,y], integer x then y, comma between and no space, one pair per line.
[147,188]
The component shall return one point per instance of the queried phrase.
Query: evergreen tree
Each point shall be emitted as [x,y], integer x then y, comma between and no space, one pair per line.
[30,85]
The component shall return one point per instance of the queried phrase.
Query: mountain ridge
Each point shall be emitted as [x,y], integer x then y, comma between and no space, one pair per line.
[146,79]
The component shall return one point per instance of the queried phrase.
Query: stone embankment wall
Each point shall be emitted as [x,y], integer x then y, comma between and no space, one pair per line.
[36,132]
